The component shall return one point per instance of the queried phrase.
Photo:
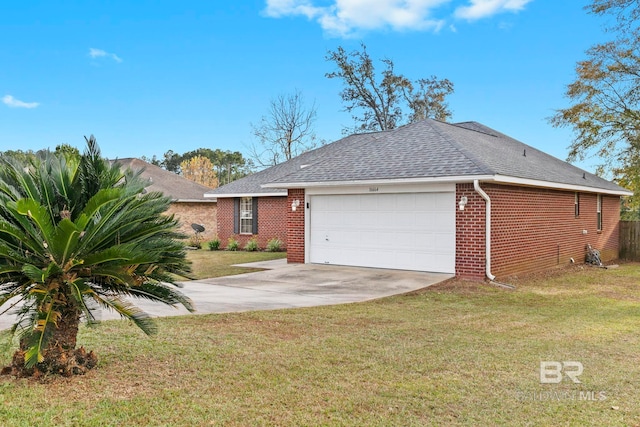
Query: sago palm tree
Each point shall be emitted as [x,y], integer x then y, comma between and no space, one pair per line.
[78,234]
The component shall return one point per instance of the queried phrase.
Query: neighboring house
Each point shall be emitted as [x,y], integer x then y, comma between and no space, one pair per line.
[431,196]
[246,210]
[188,203]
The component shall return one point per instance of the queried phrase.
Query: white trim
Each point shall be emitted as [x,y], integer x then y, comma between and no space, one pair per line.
[245,214]
[367,182]
[192,201]
[599,212]
[500,179]
[233,195]
[556,185]
[307,227]
[384,189]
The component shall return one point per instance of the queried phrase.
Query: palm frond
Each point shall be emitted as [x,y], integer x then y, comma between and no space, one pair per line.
[64,241]
[156,291]
[40,216]
[43,329]
[131,312]
[78,231]
[81,292]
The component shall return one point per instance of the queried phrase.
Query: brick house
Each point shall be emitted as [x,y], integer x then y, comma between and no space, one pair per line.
[246,210]
[188,203]
[431,196]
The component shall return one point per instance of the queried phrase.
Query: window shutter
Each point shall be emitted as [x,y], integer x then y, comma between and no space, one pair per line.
[236,215]
[254,208]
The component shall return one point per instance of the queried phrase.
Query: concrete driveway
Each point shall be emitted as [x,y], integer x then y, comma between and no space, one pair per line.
[285,286]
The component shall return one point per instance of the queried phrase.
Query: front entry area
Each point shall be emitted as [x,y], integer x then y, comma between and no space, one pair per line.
[404,231]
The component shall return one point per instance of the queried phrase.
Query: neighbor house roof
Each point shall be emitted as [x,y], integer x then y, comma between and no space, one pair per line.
[433,151]
[170,184]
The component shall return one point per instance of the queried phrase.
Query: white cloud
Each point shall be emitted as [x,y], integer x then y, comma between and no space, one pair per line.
[478,9]
[16,103]
[99,53]
[345,18]
[348,18]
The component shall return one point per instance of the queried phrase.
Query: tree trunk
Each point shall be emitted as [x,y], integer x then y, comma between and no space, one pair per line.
[60,356]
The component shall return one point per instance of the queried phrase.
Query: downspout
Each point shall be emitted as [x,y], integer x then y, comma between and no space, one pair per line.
[487,234]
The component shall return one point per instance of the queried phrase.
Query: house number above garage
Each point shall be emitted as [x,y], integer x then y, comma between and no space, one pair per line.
[373,189]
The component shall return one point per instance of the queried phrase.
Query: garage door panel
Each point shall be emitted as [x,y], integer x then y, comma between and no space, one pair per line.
[435,220]
[423,242]
[349,219]
[335,219]
[368,204]
[374,240]
[342,238]
[368,219]
[400,220]
[445,261]
[413,231]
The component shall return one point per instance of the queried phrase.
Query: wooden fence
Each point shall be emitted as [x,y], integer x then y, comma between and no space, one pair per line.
[630,240]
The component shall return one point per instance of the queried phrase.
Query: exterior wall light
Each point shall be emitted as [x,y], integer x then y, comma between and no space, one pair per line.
[462,203]
[294,205]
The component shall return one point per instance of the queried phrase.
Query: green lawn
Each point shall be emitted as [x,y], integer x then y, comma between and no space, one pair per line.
[207,264]
[455,354]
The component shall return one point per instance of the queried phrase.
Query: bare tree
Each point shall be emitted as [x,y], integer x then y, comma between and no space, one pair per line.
[285,131]
[376,103]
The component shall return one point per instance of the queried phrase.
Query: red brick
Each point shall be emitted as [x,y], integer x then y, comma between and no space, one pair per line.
[532,229]
[295,227]
[271,221]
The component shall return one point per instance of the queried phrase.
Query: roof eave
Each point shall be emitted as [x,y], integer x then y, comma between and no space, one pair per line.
[422,180]
[499,179]
[193,201]
[503,179]
[229,195]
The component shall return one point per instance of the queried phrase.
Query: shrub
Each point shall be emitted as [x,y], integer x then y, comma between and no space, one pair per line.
[194,242]
[232,244]
[214,244]
[252,245]
[274,245]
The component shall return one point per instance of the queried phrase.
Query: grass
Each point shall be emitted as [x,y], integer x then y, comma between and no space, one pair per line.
[207,264]
[458,353]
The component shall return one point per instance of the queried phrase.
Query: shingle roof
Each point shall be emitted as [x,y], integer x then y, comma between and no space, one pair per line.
[252,184]
[424,149]
[170,184]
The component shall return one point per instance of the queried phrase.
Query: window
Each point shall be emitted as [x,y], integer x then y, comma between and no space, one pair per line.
[599,212]
[577,205]
[246,215]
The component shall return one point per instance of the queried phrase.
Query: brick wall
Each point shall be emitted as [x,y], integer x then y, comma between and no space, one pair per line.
[199,213]
[470,243]
[295,227]
[271,221]
[532,229]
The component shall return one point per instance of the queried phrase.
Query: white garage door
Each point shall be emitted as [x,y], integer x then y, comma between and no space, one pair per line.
[405,231]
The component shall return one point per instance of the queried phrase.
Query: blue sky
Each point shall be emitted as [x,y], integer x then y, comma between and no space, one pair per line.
[148,76]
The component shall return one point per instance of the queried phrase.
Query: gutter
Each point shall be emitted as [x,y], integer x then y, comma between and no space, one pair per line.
[487,234]
[500,179]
